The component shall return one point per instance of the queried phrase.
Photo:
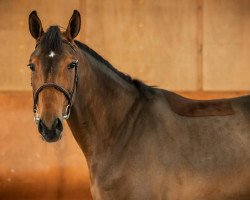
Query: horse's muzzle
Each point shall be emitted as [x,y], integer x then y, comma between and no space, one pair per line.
[54,133]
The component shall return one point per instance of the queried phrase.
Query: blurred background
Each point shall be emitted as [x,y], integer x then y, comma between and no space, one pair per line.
[198,48]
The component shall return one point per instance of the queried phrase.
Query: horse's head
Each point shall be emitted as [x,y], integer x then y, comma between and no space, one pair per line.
[53,67]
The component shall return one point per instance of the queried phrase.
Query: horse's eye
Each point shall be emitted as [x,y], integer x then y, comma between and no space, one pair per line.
[72,65]
[31,66]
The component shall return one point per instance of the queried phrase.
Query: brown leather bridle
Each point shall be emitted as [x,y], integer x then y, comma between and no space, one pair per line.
[68,95]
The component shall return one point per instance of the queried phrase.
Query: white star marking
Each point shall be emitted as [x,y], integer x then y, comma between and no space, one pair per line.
[52,54]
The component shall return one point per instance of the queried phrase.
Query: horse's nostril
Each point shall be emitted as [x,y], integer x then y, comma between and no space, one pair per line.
[58,125]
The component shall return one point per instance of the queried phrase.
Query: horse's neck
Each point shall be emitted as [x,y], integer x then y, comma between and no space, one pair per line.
[101,103]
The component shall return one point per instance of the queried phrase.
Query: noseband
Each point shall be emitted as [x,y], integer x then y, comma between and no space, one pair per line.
[67,94]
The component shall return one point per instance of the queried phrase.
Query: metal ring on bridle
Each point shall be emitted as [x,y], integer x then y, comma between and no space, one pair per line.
[67,112]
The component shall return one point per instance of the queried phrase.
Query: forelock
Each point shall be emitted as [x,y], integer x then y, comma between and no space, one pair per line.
[52,40]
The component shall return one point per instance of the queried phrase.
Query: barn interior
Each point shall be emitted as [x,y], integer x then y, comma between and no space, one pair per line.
[197,48]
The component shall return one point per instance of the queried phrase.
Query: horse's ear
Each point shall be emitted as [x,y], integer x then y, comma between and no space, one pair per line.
[35,25]
[74,25]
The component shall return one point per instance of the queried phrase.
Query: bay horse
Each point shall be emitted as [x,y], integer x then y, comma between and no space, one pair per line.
[140,142]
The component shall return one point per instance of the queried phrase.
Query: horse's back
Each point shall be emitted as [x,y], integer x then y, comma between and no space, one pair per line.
[206,156]
[208,142]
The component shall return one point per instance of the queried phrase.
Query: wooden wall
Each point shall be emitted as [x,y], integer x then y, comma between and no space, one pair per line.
[226,41]
[176,44]
[195,46]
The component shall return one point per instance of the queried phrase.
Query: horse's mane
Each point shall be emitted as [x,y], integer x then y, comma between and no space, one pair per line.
[138,84]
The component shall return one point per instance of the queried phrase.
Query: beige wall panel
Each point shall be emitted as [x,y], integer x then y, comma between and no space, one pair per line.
[155,41]
[16,42]
[226,45]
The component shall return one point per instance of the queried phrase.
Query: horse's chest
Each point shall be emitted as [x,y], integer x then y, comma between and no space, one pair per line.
[122,188]
[96,192]
[110,188]
[106,191]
